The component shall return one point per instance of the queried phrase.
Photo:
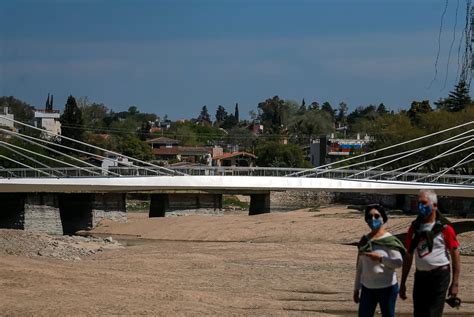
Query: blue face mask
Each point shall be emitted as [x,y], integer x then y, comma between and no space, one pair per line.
[424,210]
[375,224]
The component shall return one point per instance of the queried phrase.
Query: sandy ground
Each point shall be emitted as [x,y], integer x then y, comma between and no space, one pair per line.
[298,263]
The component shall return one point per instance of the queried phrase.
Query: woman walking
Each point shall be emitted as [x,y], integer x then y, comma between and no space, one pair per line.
[380,253]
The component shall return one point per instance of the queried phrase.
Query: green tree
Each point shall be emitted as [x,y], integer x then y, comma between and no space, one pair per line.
[21,110]
[274,115]
[417,109]
[144,132]
[229,122]
[71,120]
[326,106]
[204,117]
[236,113]
[274,154]
[131,145]
[309,126]
[221,115]
[457,100]
[369,112]
[242,137]
[129,125]
[381,109]
[93,115]
[302,109]
[342,113]
[133,110]
[314,106]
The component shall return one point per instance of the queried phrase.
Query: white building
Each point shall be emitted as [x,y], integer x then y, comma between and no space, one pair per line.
[48,119]
[113,160]
[3,119]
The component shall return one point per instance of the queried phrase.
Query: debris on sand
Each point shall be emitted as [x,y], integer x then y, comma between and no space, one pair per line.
[67,248]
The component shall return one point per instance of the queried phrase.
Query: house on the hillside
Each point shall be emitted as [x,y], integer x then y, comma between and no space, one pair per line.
[112,160]
[255,127]
[329,149]
[48,119]
[235,159]
[167,149]
[6,119]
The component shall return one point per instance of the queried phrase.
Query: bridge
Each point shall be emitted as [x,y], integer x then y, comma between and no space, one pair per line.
[80,187]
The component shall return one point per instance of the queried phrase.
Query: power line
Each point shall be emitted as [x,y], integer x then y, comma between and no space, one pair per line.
[451,46]
[439,43]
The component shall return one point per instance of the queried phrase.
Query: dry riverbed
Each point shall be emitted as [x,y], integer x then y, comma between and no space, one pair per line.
[280,264]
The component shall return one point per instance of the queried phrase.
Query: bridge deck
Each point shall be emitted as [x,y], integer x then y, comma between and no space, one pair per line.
[222,184]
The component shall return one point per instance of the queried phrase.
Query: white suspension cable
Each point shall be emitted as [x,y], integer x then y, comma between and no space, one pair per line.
[160,168]
[448,140]
[385,148]
[50,158]
[27,157]
[22,137]
[434,158]
[394,155]
[25,165]
[413,164]
[452,167]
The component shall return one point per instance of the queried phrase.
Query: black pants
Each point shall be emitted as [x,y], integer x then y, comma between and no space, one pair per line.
[429,292]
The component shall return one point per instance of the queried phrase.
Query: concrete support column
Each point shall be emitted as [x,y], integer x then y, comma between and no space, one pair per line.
[400,201]
[259,204]
[12,213]
[159,203]
[42,213]
[76,212]
[109,206]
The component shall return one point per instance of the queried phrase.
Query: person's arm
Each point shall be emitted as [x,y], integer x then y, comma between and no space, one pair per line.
[394,259]
[456,264]
[357,281]
[407,261]
[452,244]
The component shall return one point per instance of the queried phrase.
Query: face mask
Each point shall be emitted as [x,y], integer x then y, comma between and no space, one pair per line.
[375,224]
[424,210]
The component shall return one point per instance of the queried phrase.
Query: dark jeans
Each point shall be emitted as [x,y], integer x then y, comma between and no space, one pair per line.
[385,297]
[429,292]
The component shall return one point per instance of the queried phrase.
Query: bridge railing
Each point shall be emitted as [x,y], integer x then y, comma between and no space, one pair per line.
[236,171]
[149,171]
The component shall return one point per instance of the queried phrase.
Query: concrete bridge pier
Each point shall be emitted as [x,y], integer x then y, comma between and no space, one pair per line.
[161,203]
[42,213]
[12,214]
[76,212]
[59,213]
[109,206]
[259,204]
[83,211]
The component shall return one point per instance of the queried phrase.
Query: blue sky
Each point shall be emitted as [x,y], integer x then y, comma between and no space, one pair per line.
[174,56]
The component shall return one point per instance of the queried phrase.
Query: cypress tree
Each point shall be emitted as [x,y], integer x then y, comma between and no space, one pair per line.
[71,120]
[236,113]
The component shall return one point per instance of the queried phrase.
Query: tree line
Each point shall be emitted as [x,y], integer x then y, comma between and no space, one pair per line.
[288,126]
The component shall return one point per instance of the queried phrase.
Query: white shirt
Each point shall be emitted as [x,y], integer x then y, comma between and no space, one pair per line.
[373,274]
[439,256]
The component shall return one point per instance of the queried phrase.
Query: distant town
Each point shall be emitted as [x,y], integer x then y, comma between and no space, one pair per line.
[279,133]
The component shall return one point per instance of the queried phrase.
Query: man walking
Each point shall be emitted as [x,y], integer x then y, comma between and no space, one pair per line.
[432,241]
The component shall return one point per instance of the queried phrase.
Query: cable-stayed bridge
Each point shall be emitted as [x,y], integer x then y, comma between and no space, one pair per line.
[381,170]
[54,180]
